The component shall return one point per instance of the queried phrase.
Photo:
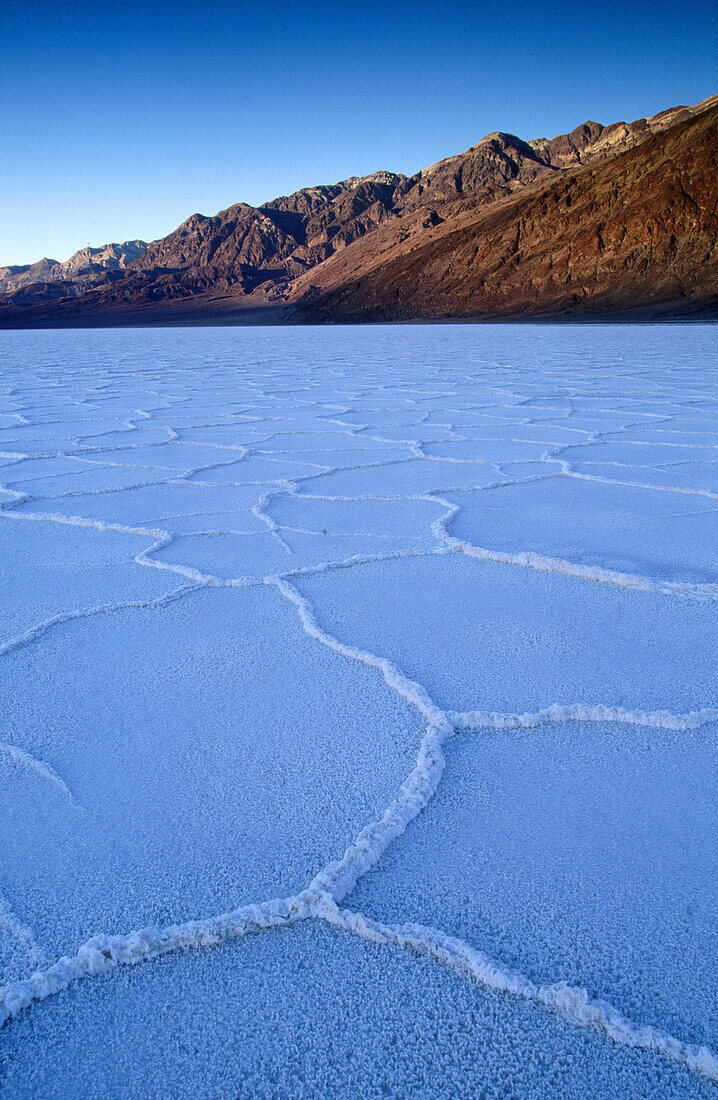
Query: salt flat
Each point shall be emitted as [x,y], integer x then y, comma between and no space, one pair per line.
[360,686]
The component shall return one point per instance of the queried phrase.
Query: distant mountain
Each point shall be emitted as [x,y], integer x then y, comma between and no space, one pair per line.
[617,219]
[12,278]
[81,266]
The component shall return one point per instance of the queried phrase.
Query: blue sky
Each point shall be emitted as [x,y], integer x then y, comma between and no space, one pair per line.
[120,120]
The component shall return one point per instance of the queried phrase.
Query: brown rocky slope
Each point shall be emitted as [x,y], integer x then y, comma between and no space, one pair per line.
[635,235]
[604,220]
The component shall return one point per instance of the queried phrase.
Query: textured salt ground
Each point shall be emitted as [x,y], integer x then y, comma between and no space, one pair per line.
[50,568]
[255,556]
[165,456]
[346,458]
[419,433]
[579,852]
[53,433]
[641,454]
[386,517]
[197,522]
[380,418]
[245,471]
[224,435]
[279,442]
[302,424]
[142,506]
[83,478]
[34,469]
[44,446]
[693,475]
[687,433]
[659,535]
[479,635]
[512,638]
[136,436]
[550,434]
[210,767]
[486,449]
[414,475]
[308,1012]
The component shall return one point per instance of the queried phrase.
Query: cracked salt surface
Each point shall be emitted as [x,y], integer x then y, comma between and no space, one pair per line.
[307,1013]
[261,585]
[583,851]
[489,636]
[241,766]
[596,524]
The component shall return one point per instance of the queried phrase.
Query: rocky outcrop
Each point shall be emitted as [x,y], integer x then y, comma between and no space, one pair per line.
[81,266]
[12,278]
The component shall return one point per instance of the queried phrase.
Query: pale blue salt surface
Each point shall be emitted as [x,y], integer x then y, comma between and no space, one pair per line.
[82,477]
[166,456]
[658,535]
[582,852]
[205,747]
[254,556]
[483,636]
[413,475]
[371,453]
[209,766]
[254,468]
[141,506]
[696,476]
[303,1012]
[50,569]
[385,517]
[642,454]
[486,450]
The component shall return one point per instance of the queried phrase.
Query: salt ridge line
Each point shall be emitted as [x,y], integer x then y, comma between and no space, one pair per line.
[103,954]
[528,559]
[38,767]
[82,521]
[34,632]
[209,580]
[198,580]
[475,720]
[339,878]
[258,511]
[410,691]
[164,538]
[292,530]
[174,475]
[645,442]
[644,485]
[705,593]
[172,479]
[572,1002]
[427,494]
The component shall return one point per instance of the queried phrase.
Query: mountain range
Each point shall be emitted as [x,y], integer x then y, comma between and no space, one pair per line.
[607,221]
[81,267]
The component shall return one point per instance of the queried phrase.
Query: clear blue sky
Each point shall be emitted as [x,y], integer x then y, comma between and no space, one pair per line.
[120,120]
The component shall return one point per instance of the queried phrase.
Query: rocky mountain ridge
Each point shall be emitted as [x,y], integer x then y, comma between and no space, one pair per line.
[634,235]
[308,255]
[82,265]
